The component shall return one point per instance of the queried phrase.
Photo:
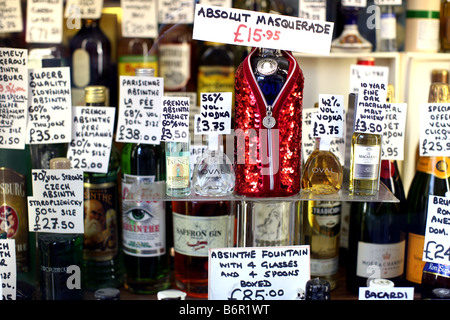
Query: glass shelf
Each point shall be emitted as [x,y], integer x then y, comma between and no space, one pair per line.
[156,192]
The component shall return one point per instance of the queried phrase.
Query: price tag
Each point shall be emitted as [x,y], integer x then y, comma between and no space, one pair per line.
[392,147]
[49,106]
[44,21]
[329,121]
[354,3]
[260,273]
[437,233]
[92,133]
[336,145]
[388,2]
[176,11]
[84,9]
[215,114]
[360,73]
[13,98]
[11,16]
[175,119]
[390,294]
[140,109]
[139,19]
[218,3]
[57,202]
[8,273]
[313,9]
[434,128]
[257,29]
[371,108]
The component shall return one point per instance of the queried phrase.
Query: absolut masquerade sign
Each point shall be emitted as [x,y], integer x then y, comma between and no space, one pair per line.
[256,29]
[259,273]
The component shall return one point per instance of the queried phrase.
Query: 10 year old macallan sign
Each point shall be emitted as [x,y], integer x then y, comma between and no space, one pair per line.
[259,273]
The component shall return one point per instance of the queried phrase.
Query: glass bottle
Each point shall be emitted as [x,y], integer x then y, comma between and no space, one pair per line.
[213,174]
[58,252]
[197,227]
[271,120]
[350,40]
[444,29]
[434,276]
[101,258]
[136,53]
[178,174]
[90,54]
[321,231]
[422,26]
[387,33]
[323,172]
[377,235]
[145,254]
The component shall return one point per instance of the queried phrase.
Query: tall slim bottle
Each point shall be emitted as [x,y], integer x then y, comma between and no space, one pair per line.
[101,258]
[146,258]
[90,54]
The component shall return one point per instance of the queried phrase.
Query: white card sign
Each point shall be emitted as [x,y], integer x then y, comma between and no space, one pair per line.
[13,97]
[386,294]
[371,108]
[140,109]
[392,147]
[175,11]
[92,134]
[258,273]
[312,9]
[329,121]
[57,202]
[336,145]
[434,121]
[257,29]
[139,19]
[44,21]
[83,9]
[175,119]
[437,232]
[11,16]
[215,113]
[360,73]
[8,273]
[49,106]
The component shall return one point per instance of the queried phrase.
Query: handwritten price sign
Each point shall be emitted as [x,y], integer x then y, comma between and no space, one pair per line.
[434,129]
[215,114]
[329,121]
[256,29]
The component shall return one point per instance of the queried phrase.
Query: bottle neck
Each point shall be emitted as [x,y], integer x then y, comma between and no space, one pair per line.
[267,52]
[90,23]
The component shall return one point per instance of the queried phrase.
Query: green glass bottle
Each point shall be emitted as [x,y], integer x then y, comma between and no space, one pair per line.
[101,258]
[145,254]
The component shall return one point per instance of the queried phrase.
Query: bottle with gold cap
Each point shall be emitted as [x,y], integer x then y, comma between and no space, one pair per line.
[101,258]
[432,177]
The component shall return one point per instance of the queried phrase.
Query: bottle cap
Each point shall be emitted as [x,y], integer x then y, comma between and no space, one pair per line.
[317,289]
[366,61]
[144,72]
[107,294]
[171,294]
[440,294]
[439,75]
[59,163]
[95,94]
[381,283]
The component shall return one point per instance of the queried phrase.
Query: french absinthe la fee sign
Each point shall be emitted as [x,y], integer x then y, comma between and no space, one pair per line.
[258,29]
[258,273]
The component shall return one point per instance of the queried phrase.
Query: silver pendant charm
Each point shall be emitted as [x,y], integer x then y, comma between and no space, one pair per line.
[269,122]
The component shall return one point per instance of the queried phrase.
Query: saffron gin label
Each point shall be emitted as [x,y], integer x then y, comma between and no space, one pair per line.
[257,29]
[195,235]
[143,222]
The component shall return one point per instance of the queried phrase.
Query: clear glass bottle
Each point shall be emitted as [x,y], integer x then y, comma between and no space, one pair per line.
[386,35]
[323,172]
[144,223]
[178,175]
[102,265]
[214,174]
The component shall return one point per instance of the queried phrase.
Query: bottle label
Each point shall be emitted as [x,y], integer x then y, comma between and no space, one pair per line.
[437,166]
[143,222]
[437,269]
[81,66]
[324,267]
[414,262]
[271,223]
[194,235]
[366,160]
[129,63]
[384,260]
[175,65]
[100,221]
[215,79]
[388,26]
[14,214]
[267,66]
[178,174]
